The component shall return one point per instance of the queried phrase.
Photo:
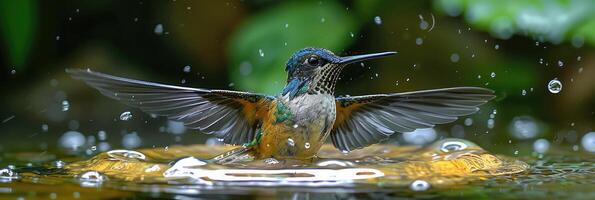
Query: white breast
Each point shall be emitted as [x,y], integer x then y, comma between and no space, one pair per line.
[316,108]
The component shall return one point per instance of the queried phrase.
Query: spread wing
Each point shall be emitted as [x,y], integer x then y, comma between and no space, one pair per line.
[365,120]
[229,115]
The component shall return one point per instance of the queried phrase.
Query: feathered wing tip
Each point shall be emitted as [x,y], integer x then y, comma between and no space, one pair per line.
[228,115]
[365,120]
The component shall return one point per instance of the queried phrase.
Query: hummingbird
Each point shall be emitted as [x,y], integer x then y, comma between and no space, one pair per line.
[296,122]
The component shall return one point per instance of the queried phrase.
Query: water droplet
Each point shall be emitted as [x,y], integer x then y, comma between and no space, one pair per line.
[131,140]
[286,25]
[578,58]
[104,146]
[524,92]
[516,152]
[295,126]
[497,46]
[290,142]
[13,72]
[58,164]
[493,75]
[91,178]
[245,68]
[560,63]
[588,142]
[524,127]
[307,145]
[419,185]
[44,127]
[175,127]
[7,175]
[454,58]
[213,142]
[102,135]
[351,34]
[423,25]
[187,68]
[72,140]
[468,122]
[94,148]
[419,41]
[271,161]
[554,86]
[420,136]
[260,52]
[65,106]
[158,29]
[57,37]
[125,116]
[377,20]
[541,145]
[491,123]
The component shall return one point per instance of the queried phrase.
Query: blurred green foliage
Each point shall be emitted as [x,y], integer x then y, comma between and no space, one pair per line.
[261,46]
[553,21]
[18,22]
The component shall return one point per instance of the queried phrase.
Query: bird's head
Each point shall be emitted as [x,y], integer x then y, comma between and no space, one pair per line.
[319,69]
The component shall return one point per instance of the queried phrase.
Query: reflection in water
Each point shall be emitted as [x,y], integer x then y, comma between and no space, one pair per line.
[407,170]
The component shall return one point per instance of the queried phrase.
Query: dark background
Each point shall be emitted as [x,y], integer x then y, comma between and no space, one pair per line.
[222,42]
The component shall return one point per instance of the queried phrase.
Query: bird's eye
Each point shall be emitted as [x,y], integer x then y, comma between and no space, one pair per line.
[313,61]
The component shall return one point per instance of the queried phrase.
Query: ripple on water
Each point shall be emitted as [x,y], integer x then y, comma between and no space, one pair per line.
[406,167]
[124,155]
[419,185]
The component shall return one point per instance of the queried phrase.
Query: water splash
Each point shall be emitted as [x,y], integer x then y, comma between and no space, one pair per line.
[91,179]
[7,175]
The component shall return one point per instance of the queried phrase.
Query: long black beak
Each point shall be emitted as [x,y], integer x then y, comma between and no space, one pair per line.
[351,59]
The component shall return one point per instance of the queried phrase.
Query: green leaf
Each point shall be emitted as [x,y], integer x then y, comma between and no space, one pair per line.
[18,22]
[554,21]
[260,48]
